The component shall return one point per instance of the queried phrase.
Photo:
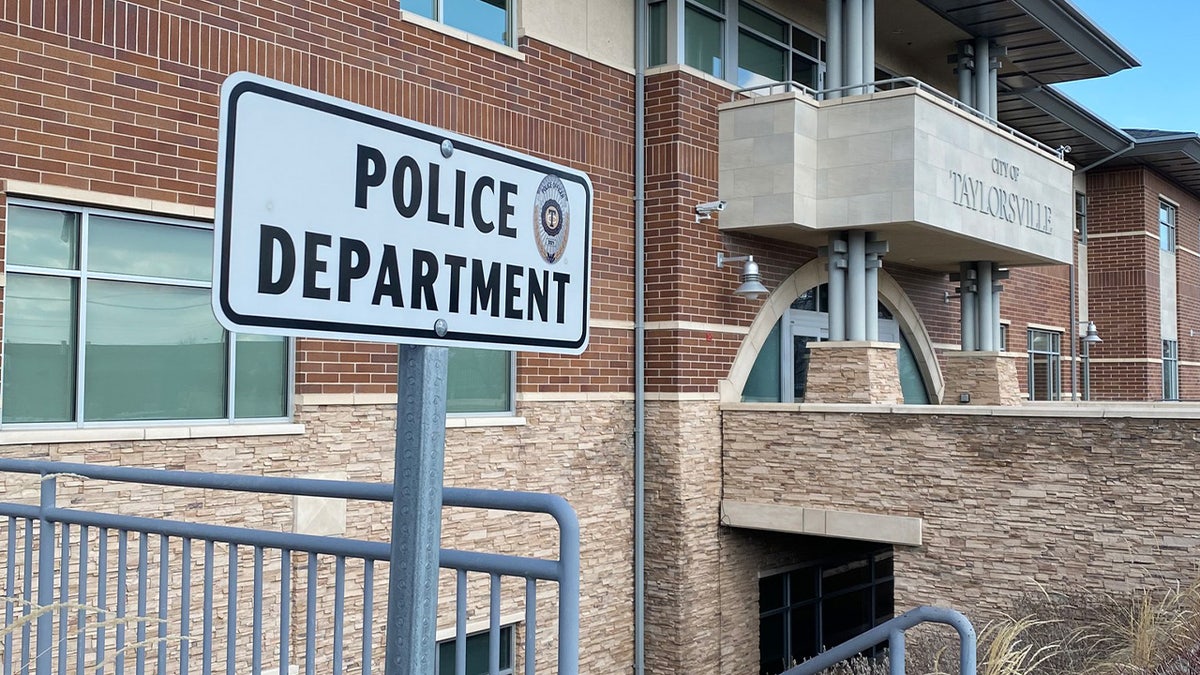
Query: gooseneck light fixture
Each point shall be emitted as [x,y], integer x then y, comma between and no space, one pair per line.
[1088,339]
[751,286]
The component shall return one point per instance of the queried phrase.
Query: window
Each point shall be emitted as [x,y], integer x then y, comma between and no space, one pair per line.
[1166,226]
[108,318]
[479,381]
[477,654]
[1003,346]
[1170,370]
[491,19]
[1081,216]
[805,611]
[767,48]
[1045,373]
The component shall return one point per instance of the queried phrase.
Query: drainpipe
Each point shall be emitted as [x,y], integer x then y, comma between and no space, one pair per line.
[641,53]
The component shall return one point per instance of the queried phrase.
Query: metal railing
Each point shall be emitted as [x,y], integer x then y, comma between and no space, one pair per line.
[893,631]
[91,592]
[878,85]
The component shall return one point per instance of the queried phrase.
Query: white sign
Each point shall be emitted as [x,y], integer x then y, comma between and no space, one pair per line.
[338,221]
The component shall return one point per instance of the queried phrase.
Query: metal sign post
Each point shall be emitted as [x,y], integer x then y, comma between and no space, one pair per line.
[416,510]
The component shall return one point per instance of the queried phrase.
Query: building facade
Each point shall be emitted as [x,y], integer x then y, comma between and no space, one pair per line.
[800,464]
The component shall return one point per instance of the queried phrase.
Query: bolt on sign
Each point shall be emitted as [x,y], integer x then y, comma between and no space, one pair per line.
[338,221]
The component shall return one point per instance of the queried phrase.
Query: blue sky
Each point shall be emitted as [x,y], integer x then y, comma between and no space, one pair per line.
[1164,93]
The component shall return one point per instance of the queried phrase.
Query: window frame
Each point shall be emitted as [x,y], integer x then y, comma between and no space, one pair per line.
[83,276]
[509,669]
[1168,231]
[1170,370]
[1053,363]
[510,411]
[823,569]
[674,48]
[438,10]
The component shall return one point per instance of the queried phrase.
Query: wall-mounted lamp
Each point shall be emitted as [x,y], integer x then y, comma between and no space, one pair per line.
[705,210]
[1088,339]
[751,286]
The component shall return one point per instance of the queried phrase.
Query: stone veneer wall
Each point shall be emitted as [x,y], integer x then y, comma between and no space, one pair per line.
[1067,500]
[853,372]
[989,377]
[579,450]
[683,488]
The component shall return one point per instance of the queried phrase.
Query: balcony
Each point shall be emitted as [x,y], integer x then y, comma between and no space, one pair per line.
[940,183]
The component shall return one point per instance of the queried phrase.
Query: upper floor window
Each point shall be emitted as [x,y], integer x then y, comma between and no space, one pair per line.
[1045,366]
[108,317]
[1081,216]
[1166,226]
[1170,370]
[736,41]
[491,19]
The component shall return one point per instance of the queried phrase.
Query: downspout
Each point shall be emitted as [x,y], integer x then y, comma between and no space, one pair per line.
[1075,272]
[641,54]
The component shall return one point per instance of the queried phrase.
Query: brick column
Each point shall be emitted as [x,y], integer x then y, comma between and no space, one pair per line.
[853,372]
[990,378]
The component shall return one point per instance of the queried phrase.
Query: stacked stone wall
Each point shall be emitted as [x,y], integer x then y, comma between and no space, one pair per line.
[1009,502]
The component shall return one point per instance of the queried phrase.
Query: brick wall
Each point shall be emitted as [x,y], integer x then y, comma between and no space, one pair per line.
[121,98]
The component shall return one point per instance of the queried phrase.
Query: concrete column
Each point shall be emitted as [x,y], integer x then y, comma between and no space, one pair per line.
[982,80]
[868,37]
[856,286]
[986,338]
[854,45]
[833,46]
[837,287]
[996,288]
[966,306]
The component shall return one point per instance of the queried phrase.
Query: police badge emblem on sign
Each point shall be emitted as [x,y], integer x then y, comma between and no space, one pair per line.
[551,218]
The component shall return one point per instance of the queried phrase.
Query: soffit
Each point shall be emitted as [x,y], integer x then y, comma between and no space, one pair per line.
[1048,41]
[1176,155]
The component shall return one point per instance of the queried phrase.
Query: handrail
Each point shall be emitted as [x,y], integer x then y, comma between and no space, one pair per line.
[893,631]
[823,94]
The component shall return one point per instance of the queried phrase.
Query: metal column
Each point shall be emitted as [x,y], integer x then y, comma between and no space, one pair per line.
[966,83]
[996,288]
[868,45]
[856,286]
[854,45]
[982,81]
[984,302]
[833,47]
[966,306]
[875,252]
[837,287]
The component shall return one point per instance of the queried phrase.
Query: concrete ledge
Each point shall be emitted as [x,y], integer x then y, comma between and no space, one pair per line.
[104,434]
[1064,409]
[902,530]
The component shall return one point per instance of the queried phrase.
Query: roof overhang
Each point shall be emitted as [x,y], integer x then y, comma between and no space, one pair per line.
[1174,155]
[1056,120]
[1048,41]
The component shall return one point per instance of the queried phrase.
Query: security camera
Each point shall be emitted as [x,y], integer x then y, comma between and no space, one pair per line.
[706,209]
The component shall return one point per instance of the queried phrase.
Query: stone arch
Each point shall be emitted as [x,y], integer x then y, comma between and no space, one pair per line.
[815,273]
